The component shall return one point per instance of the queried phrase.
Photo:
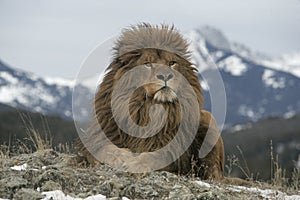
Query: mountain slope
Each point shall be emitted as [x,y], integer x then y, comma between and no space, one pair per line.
[253,90]
[27,91]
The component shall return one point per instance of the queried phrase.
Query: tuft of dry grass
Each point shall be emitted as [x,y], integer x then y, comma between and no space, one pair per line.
[39,142]
[295,180]
[4,154]
[278,178]
[234,161]
[278,174]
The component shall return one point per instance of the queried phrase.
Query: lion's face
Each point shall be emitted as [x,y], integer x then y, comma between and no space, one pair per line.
[159,71]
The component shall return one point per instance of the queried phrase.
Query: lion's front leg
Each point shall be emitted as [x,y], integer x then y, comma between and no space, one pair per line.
[126,160]
[146,162]
[113,156]
[211,152]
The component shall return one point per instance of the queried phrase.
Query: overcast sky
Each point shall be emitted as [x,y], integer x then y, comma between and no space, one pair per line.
[52,38]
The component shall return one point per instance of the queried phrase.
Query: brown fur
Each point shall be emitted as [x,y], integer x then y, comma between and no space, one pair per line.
[129,54]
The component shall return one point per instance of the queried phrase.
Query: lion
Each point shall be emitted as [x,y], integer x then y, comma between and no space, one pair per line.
[155,62]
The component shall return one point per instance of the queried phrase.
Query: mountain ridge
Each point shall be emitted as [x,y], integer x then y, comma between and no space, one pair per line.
[254,89]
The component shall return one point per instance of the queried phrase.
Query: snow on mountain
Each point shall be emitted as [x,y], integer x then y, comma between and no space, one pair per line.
[254,88]
[270,80]
[213,37]
[27,91]
[59,81]
[233,65]
[289,63]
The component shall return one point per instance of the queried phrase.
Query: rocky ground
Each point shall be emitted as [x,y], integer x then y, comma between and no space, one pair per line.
[53,175]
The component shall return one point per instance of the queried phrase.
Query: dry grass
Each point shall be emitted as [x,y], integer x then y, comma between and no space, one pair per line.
[295,180]
[234,162]
[64,148]
[4,154]
[36,140]
[39,142]
[278,179]
[278,175]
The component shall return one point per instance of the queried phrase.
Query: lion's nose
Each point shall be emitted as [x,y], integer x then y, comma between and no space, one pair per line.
[165,77]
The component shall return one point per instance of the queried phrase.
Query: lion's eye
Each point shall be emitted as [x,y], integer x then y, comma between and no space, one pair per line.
[148,64]
[172,63]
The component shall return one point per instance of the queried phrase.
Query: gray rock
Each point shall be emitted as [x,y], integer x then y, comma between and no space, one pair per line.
[51,186]
[28,194]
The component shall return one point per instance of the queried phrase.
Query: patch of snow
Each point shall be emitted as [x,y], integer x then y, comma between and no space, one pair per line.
[204,85]
[200,54]
[20,167]
[289,114]
[7,94]
[246,111]
[237,128]
[98,197]
[270,80]
[21,98]
[92,82]
[292,59]
[264,193]
[58,195]
[233,65]
[47,97]
[240,127]
[38,109]
[68,113]
[59,81]
[9,78]
[24,95]
[289,63]
[177,186]
[292,197]
[219,54]
[203,184]
[31,76]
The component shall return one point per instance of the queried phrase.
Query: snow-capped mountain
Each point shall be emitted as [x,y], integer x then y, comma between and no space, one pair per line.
[27,91]
[255,89]
[256,85]
[288,63]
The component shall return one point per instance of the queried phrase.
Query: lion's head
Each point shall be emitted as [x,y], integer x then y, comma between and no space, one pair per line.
[151,64]
[159,73]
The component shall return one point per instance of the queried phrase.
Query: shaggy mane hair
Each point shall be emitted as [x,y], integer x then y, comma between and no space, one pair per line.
[145,36]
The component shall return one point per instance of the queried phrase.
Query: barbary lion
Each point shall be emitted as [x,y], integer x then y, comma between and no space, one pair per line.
[139,111]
